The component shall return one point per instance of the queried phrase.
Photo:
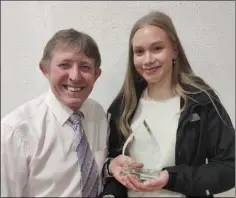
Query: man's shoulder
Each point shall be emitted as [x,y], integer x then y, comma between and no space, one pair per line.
[92,104]
[93,108]
[23,112]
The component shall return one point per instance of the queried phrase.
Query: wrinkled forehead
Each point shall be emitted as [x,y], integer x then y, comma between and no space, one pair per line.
[63,52]
[63,47]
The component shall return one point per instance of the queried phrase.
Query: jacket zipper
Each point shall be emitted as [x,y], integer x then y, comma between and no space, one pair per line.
[179,134]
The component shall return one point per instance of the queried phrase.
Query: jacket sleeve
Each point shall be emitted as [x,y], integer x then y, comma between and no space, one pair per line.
[112,186]
[218,175]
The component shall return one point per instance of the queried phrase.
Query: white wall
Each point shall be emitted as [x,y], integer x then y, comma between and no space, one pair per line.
[206,29]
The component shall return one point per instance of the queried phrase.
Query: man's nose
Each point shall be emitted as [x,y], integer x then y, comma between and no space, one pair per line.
[74,73]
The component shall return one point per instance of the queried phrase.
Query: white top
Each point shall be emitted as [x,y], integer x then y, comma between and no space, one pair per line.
[37,154]
[162,118]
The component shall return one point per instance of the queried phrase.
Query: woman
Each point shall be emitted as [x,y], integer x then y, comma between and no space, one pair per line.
[193,131]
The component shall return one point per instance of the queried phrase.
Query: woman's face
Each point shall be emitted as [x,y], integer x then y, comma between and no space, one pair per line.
[153,54]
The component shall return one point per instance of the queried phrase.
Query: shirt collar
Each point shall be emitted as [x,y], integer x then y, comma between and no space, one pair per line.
[61,111]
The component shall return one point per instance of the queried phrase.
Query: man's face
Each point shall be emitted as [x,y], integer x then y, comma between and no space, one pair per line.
[71,75]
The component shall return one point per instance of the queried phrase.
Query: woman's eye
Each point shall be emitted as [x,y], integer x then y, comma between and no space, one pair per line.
[157,49]
[138,52]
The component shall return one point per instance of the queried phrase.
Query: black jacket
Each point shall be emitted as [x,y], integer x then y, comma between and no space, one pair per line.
[197,140]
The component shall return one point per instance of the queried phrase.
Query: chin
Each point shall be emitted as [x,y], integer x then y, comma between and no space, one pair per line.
[74,106]
[151,81]
[74,103]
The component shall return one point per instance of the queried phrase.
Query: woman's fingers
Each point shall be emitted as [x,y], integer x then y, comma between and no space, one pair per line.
[129,184]
[138,184]
[153,184]
[132,182]
[124,180]
[136,164]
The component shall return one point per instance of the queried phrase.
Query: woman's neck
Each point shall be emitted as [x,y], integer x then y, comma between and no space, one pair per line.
[159,92]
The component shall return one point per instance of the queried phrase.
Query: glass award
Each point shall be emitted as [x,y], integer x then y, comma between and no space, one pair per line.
[143,150]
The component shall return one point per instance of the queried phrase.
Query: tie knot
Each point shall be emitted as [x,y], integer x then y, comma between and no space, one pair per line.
[75,118]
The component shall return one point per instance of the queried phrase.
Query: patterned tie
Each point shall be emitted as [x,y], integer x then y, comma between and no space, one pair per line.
[88,166]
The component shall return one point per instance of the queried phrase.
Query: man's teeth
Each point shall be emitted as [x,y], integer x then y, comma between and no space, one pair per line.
[74,88]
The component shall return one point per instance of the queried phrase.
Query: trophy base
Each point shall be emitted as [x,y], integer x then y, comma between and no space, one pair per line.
[142,173]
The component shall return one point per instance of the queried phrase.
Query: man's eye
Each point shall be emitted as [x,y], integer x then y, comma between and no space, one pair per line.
[85,67]
[64,65]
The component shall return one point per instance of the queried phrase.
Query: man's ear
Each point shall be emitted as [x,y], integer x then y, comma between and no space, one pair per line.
[44,69]
[98,73]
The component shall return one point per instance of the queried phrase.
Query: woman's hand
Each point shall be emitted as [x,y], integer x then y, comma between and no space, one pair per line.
[118,164]
[150,184]
[131,181]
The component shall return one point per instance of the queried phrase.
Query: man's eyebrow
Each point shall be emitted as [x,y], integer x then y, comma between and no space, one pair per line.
[71,60]
[85,62]
[66,60]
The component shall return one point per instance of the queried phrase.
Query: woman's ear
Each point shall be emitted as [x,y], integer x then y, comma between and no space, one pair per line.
[175,50]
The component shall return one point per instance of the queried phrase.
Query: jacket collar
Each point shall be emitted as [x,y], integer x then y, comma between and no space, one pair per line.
[199,98]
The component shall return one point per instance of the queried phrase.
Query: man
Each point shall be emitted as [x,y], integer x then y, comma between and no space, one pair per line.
[56,144]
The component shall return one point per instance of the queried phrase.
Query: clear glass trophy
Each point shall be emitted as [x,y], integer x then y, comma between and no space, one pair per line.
[145,150]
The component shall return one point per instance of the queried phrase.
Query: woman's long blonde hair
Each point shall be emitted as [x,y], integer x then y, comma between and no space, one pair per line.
[182,72]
